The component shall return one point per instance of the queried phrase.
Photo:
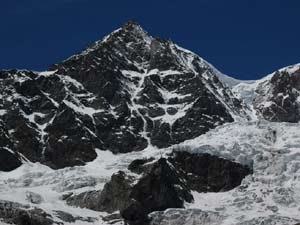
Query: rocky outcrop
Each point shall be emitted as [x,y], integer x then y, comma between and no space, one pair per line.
[19,214]
[271,219]
[162,184]
[39,121]
[187,216]
[278,98]
[116,193]
[160,189]
[69,218]
[163,187]
[113,197]
[14,213]
[69,136]
[9,160]
[208,173]
[139,165]
[89,199]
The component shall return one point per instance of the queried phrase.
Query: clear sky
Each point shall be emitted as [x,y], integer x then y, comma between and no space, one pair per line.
[242,38]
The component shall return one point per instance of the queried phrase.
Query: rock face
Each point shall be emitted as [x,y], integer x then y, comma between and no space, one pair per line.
[14,213]
[187,216]
[162,184]
[39,127]
[88,199]
[138,166]
[162,188]
[116,193]
[19,214]
[124,93]
[69,218]
[208,173]
[8,160]
[278,98]
[114,196]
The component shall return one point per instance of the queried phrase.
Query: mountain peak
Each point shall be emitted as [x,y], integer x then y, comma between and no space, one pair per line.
[132,28]
[130,32]
[291,69]
[131,24]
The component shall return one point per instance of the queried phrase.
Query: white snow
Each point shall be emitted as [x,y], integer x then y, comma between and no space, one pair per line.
[52,184]
[47,73]
[2,112]
[68,80]
[273,150]
[275,158]
[291,69]
[164,73]
[82,109]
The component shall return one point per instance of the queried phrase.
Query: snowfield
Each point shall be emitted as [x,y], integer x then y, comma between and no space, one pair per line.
[272,193]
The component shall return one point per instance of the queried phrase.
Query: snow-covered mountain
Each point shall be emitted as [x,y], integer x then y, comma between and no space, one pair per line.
[275,97]
[134,126]
[124,93]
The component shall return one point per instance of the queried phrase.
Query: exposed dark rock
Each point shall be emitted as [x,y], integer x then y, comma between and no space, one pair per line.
[187,216]
[163,184]
[155,112]
[159,189]
[158,55]
[208,173]
[172,111]
[161,134]
[162,188]
[69,218]
[8,160]
[138,166]
[277,98]
[28,88]
[15,213]
[113,218]
[4,136]
[25,137]
[135,214]
[115,194]
[195,122]
[72,149]
[113,197]
[66,196]
[66,217]
[88,200]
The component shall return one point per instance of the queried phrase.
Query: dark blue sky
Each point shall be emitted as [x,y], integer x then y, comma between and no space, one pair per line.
[243,38]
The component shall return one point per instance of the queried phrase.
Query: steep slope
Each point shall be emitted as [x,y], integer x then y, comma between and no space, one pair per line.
[125,93]
[274,97]
[279,98]
[156,88]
